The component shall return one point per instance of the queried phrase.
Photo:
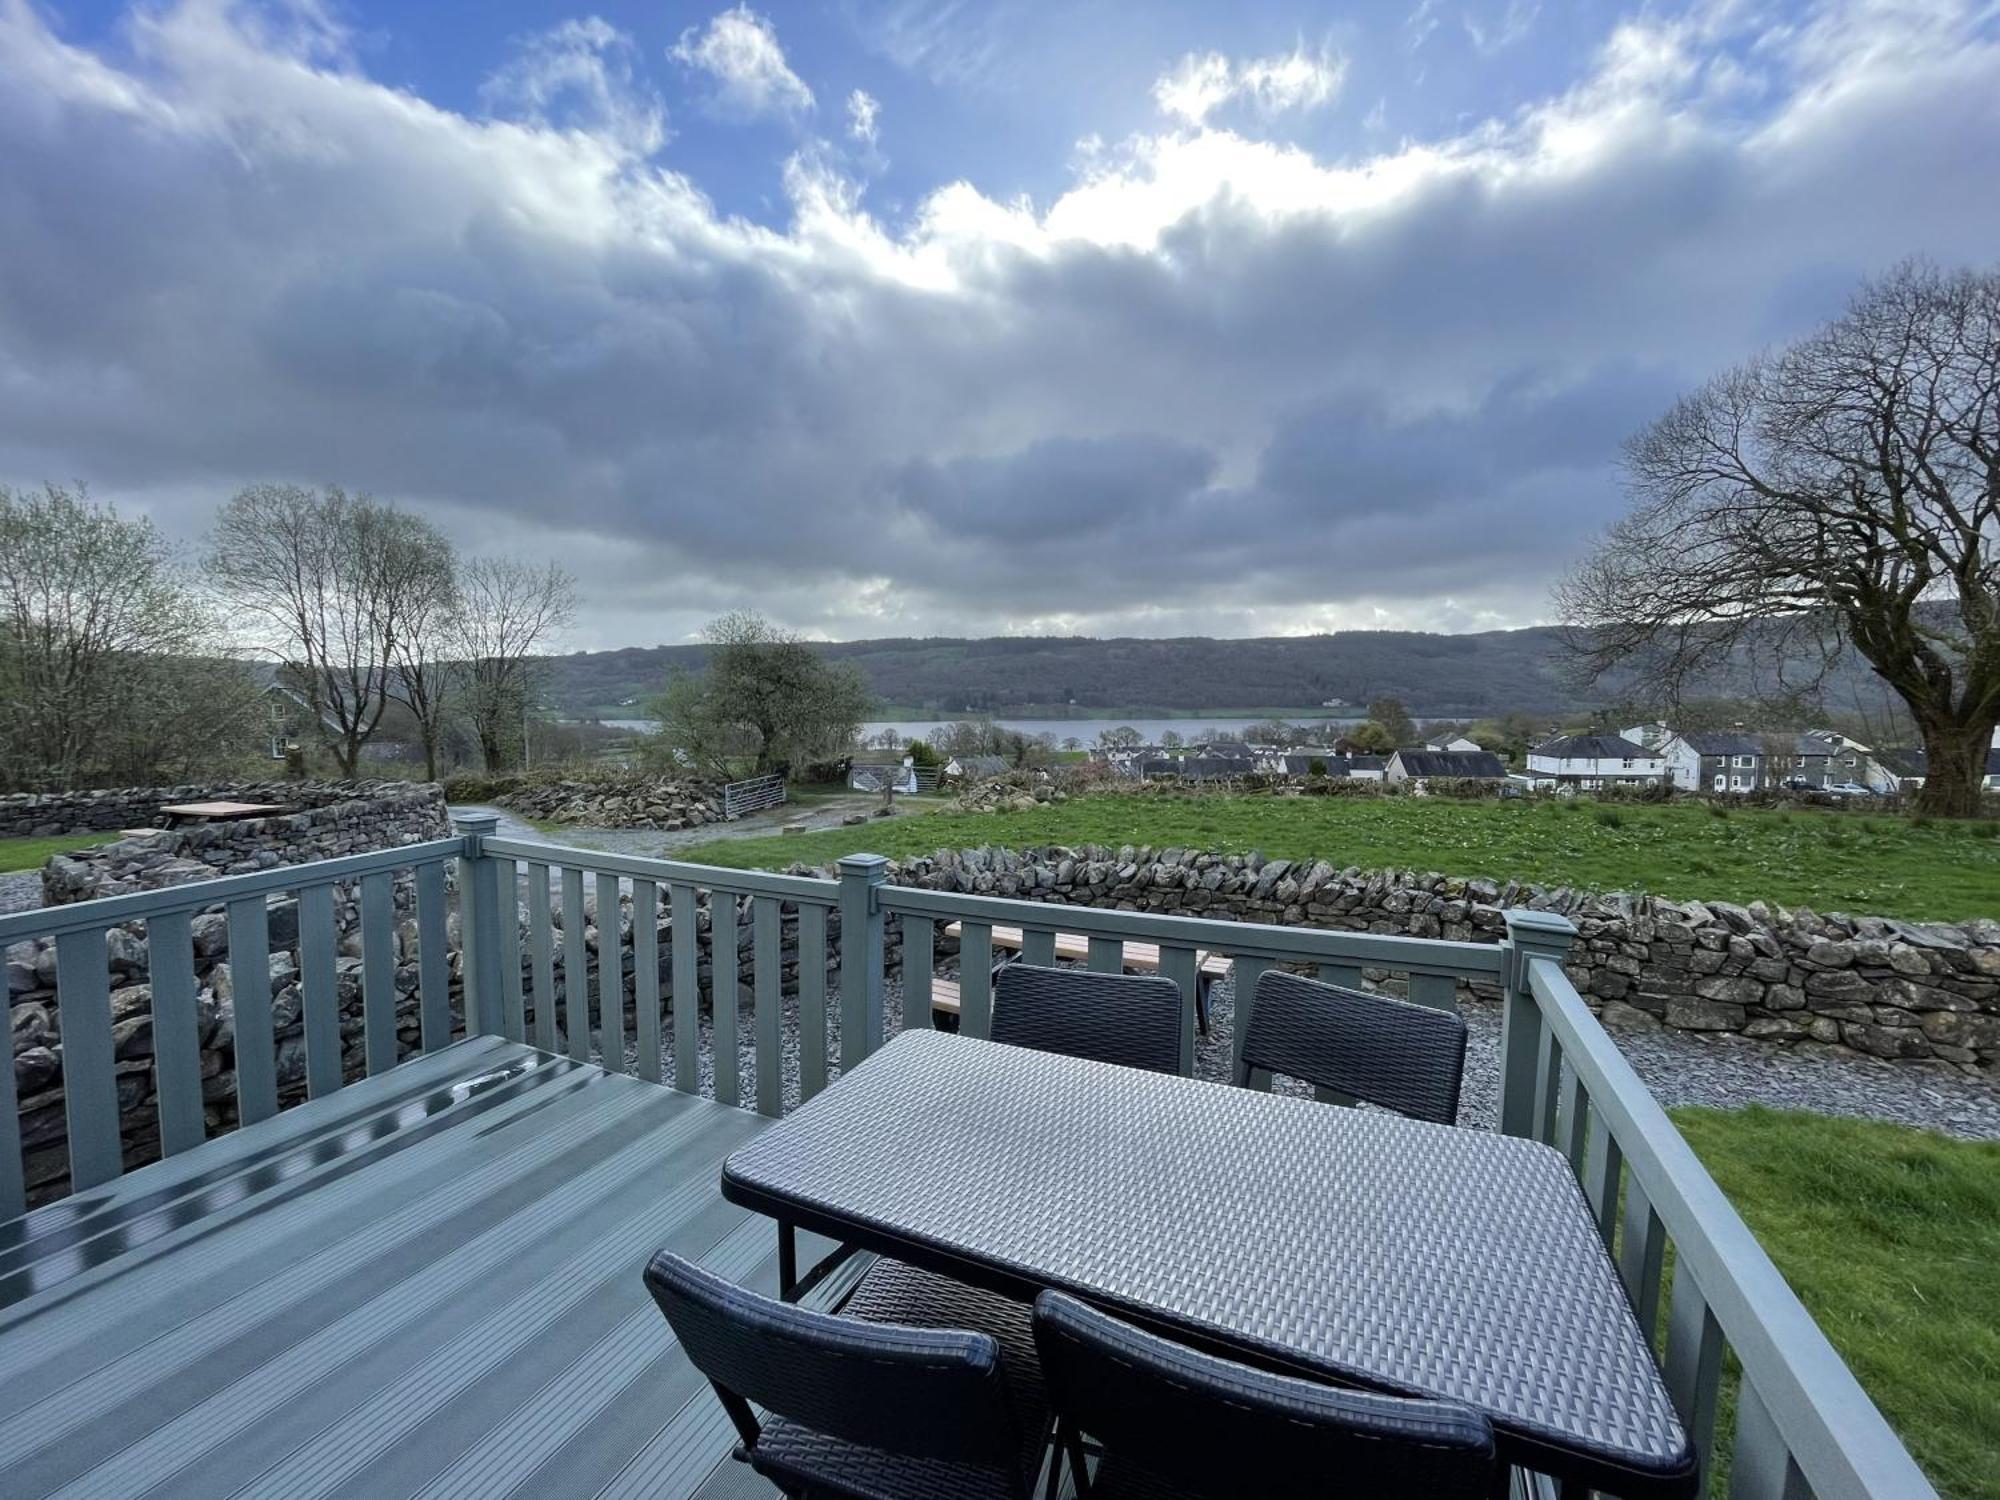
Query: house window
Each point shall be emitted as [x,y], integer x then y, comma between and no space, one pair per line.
[1739,782]
[1720,781]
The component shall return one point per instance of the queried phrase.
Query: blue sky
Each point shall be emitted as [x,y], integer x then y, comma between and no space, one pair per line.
[924,317]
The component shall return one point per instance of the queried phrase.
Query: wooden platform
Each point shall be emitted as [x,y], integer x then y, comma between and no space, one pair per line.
[424,1284]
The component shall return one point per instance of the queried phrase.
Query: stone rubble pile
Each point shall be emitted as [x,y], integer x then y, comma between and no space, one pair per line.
[662,803]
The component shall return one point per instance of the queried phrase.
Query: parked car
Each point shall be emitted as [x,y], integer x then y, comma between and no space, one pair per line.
[1849,789]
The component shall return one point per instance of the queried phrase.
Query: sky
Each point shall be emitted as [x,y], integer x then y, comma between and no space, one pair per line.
[916,318]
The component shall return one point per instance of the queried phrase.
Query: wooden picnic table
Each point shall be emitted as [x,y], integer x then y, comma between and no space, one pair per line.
[219,811]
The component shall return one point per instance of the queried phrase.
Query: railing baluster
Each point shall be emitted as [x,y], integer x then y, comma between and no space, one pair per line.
[433,960]
[1548,1088]
[1641,1252]
[1694,1361]
[1105,956]
[1762,1467]
[919,960]
[507,881]
[812,998]
[90,1082]
[975,979]
[1439,991]
[686,987]
[176,1032]
[610,975]
[1343,974]
[1601,1178]
[646,977]
[1575,1121]
[1243,982]
[576,965]
[1038,946]
[724,976]
[1177,962]
[320,988]
[542,955]
[767,961]
[378,970]
[250,985]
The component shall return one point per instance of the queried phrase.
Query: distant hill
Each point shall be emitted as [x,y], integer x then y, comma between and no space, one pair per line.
[1458,676]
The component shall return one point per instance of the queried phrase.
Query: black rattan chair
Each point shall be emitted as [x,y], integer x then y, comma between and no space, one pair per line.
[1176,1424]
[857,1405]
[1402,1056]
[1133,1019]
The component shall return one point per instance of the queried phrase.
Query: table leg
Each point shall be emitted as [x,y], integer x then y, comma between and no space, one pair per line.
[788,1262]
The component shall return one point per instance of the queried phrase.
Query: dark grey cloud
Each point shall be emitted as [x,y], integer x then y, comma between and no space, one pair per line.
[1218,385]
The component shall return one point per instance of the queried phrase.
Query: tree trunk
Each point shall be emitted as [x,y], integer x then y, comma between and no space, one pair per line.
[347,755]
[1954,768]
[490,749]
[430,754]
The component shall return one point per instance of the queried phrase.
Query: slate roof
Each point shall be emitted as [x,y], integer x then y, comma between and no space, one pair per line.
[1481,765]
[981,765]
[1723,744]
[1592,747]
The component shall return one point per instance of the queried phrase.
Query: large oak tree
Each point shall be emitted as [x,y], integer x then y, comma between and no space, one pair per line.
[1841,494]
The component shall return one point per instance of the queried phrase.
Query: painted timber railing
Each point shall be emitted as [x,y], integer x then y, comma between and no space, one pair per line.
[582,949]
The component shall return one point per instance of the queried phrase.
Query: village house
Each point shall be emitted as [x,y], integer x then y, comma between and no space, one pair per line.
[1455,742]
[1423,765]
[1719,761]
[1591,762]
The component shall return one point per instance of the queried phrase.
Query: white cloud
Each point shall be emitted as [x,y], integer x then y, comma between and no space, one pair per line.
[578,74]
[1203,82]
[739,50]
[864,112]
[1278,390]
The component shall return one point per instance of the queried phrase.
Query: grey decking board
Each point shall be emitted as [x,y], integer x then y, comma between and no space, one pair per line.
[399,1307]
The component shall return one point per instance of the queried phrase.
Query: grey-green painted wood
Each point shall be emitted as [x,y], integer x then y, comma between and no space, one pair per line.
[610,974]
[90,1085]
[646,977]
[669,871]
[542,955]
[1603,1174]
[176,1032]
[686,962]
[975,979]
[250,980]
[767,963]
[576,965]
[319,989]
[378,971]
[1106,955]
[863,889]
[1575,1136]
[919,966]
[1038,946]
[1439,991]
[1346,975]
[812,1000]
[507,905]
[479,923]
[725,1001]
[1548,1086]
[433,959]
[1762,1467]
[1177,963]
[1693,1366]
[1642,1255]
[13,1169]
[1244,976]
[1530,935]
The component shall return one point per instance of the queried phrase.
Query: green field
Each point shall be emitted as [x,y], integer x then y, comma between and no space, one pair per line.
[1831,861]
[1887,1235]
[32,854]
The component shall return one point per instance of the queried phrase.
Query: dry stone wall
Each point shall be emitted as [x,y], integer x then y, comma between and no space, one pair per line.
[1924,992]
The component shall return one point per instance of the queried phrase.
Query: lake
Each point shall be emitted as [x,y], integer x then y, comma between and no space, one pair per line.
[1085,731]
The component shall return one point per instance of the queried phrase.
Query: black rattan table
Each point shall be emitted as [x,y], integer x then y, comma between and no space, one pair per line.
[1350,1245]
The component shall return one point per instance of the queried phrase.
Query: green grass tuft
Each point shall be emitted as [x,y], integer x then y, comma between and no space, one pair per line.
[32,854]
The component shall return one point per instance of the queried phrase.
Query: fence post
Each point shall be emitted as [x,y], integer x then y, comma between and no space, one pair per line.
[1530,935]
[479,923]
[861,955]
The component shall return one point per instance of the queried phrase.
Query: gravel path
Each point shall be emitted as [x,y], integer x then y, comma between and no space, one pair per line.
[815,816]
[21,891]
[1679,1067]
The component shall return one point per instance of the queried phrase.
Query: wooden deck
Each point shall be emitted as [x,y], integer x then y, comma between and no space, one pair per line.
[426,1283]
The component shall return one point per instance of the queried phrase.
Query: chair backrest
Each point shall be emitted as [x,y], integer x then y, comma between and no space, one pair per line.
[1402,1056]
[1133,1019]
[922,1393]
[1206,1426]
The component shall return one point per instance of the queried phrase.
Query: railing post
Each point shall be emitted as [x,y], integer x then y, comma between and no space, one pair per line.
[479,923]
[1530,935]
[861,955]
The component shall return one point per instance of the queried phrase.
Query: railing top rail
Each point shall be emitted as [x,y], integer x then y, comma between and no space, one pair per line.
[1842,1445]
[668,871]
[1247,939]
[110,911]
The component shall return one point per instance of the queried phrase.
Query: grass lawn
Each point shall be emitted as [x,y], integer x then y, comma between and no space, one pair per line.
[32,854]
[1887,1234]
[1832,861]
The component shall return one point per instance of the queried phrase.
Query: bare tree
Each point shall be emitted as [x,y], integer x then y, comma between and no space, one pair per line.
[509,611]
[103,640]
[330,583]
[425,673]
[1843,493]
